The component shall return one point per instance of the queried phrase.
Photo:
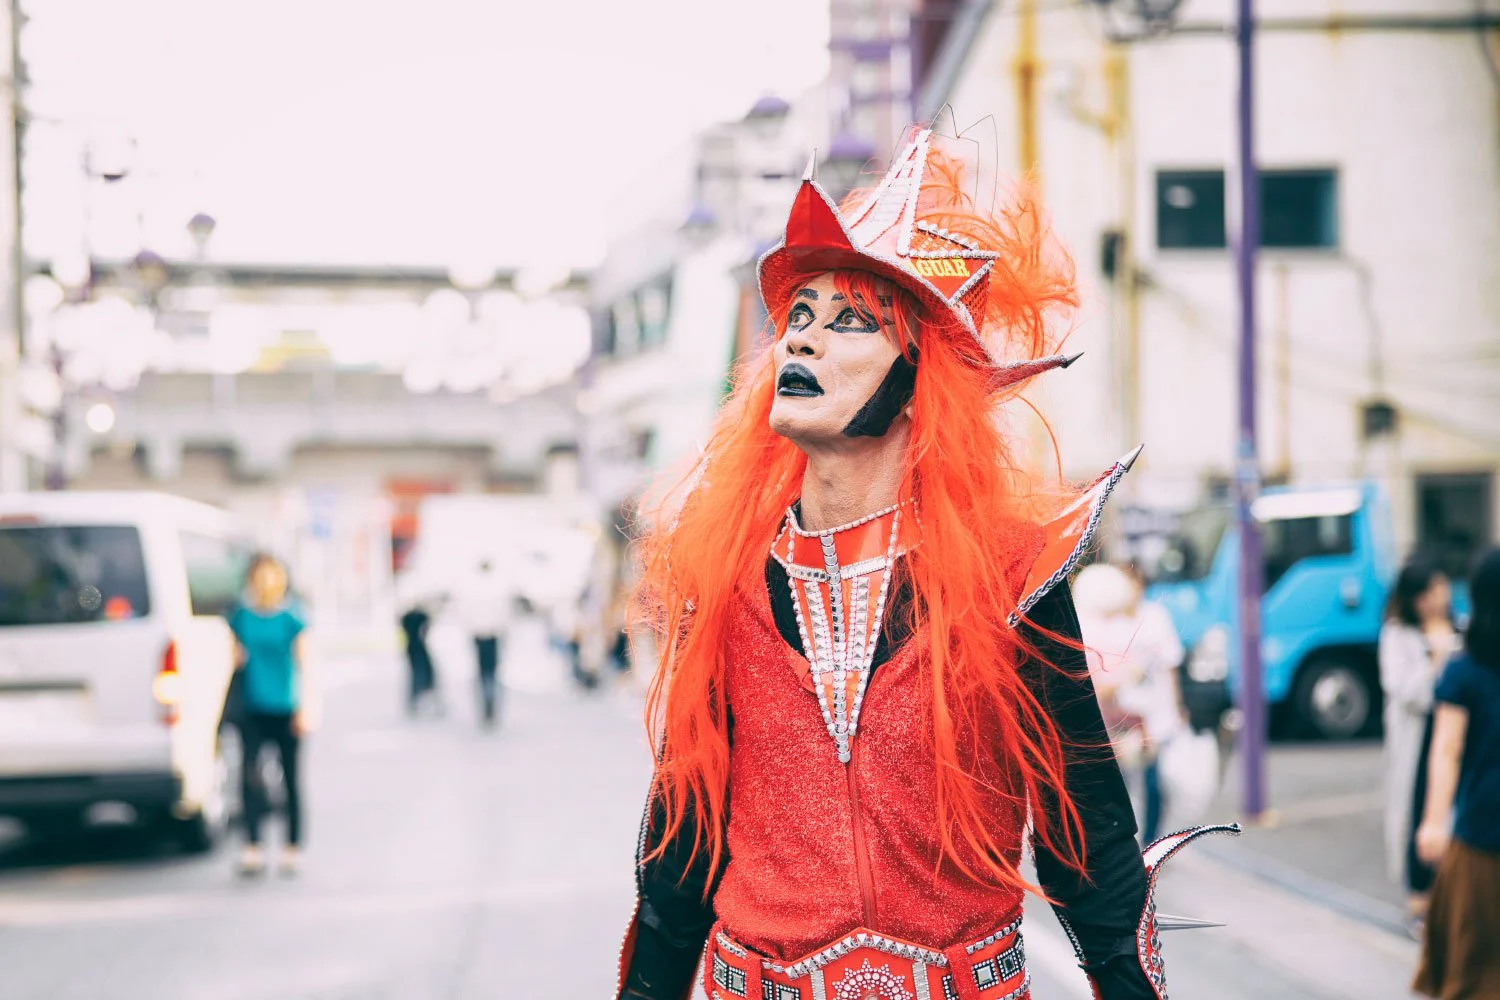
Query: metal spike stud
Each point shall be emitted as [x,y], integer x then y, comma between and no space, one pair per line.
[1167,922]
[1129,460]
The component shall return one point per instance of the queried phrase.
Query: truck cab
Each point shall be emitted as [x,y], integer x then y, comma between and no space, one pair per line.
[1328,564]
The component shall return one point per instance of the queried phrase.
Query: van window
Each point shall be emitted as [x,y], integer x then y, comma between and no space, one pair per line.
[215,572]
[58,574]
[1285,542]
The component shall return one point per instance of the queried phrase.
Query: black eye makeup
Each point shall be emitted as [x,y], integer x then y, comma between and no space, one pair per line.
[799,317]
[853,321]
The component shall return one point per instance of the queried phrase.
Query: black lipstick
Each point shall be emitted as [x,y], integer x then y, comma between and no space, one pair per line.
[797,380]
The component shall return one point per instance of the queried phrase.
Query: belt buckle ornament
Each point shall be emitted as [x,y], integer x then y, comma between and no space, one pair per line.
[870,982]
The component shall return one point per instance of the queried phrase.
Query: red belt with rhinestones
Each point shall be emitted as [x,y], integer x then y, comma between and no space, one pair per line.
[865,965]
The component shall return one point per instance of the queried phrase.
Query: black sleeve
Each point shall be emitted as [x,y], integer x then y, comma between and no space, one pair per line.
[676,893]
[1102,910]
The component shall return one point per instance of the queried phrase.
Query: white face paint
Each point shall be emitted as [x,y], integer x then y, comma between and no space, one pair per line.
[830,359]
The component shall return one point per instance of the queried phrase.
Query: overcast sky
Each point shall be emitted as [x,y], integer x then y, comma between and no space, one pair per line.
[383,132]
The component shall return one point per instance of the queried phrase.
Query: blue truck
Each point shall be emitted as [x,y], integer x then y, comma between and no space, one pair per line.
[1329,563]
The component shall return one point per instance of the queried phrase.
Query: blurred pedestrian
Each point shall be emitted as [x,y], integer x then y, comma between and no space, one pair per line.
[1133,652]
[423,678]
[1415,642]
[484,607]
[1460,829]
[277,702]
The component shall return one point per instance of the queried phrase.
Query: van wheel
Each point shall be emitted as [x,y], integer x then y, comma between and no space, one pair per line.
[199,834]
[1334,698]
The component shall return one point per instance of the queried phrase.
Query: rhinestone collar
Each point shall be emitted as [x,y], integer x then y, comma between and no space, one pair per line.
[840,579]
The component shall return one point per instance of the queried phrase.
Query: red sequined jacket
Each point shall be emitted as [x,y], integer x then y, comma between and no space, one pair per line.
[817,849]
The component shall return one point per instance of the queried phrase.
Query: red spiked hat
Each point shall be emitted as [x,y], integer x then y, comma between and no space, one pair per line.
[884,235]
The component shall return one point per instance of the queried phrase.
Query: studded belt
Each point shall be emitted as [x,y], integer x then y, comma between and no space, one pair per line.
[869,966]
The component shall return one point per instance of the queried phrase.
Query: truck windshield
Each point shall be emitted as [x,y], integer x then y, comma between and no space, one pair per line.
[1287,541]
[54,575]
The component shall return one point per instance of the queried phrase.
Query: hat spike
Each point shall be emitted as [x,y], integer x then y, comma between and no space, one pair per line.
[1013,372]
[810,175]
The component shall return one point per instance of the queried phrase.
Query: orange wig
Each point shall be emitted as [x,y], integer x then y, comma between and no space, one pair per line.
[711,532]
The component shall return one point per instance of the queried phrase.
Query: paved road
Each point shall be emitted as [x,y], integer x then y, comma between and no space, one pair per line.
[448,863]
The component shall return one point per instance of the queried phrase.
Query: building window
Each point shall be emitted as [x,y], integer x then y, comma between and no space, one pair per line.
[1190,210]
[627,327]
[654,303]
[1299,209]
[1454,519]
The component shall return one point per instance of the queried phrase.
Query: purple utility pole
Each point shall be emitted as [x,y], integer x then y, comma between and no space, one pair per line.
[1247,467]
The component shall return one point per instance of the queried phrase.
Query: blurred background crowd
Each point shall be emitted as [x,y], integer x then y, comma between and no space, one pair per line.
[417,298]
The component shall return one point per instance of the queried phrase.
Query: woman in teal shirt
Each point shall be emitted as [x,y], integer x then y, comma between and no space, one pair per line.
[270,646]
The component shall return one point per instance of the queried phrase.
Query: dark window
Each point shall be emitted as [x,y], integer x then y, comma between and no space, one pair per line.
[653,307]
[215,572]
[1190,210]
[1299,208]
[1286,542]
[639,320]
[1453,519]
[627,327]
[1189,553]
[53,575]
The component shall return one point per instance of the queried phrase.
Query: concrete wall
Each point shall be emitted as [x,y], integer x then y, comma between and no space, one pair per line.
[672,390]
[1406,306]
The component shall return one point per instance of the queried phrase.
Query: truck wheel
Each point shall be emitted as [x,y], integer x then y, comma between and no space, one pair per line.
[1334,698]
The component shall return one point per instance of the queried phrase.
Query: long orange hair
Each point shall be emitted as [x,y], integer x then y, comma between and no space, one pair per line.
[711,530]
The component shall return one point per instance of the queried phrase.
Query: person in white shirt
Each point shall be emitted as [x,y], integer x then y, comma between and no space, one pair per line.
[484,607]
[1133,652]
[1416,642]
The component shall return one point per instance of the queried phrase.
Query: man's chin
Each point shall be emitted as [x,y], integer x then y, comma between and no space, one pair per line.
[795,419]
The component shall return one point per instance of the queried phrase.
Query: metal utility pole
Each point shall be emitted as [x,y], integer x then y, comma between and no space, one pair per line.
[1027,70]
[1247,467]
[12,277]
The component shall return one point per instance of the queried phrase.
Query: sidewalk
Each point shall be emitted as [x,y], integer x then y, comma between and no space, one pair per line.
[1322,838]
[1311,948]
[1282,936]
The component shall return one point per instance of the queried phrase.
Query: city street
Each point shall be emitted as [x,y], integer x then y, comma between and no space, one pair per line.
[444,862]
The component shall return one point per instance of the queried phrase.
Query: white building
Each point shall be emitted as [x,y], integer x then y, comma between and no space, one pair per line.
[1379,146]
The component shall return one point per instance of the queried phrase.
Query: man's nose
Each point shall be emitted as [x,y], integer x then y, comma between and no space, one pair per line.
[803,342]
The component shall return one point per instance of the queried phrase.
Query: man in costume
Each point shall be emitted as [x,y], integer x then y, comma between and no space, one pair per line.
[872,686]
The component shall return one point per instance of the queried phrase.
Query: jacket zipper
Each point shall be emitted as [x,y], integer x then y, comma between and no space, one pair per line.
[861,850]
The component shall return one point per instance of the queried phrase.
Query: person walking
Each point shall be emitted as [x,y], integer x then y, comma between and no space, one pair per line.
[414,625]
[484,606]
[1460,831]
[1133,652]
[277,703]
[1415,642]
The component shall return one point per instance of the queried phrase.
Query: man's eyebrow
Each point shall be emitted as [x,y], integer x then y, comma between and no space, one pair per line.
[809,293]
[837,297]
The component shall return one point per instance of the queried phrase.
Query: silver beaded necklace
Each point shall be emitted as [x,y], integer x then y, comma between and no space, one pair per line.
[839,641]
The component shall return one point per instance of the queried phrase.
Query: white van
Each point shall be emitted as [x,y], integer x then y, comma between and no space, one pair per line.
[114,660]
